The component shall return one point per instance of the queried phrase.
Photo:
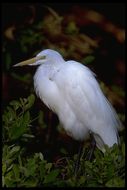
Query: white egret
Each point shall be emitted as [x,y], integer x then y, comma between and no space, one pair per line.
[72,92]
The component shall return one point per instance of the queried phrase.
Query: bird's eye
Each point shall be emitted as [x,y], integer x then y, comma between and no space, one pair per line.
[43,57]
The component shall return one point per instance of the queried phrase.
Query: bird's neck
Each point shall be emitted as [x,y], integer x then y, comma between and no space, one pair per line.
[50,69]
[55,64]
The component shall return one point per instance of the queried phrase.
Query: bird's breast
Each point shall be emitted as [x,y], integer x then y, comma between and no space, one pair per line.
[46,88]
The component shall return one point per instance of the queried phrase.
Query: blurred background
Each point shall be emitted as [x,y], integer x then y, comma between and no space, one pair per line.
[93,34]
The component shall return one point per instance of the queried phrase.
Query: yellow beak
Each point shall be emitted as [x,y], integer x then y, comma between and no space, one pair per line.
[29,61]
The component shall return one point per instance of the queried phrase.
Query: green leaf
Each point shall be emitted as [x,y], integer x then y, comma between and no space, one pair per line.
[26,118]
[42,170]
[64,151]
[4,168]
[8,179]
[82,180]
[32,182]
[123,149]
[14,150]
[31,167]
[28,136]
[51,177]
[3,181]
[9,116]
[20,127]
[115,182]
[31,100]
[16,104]
[89,59]
[41,156]
[16,171]
[48,166]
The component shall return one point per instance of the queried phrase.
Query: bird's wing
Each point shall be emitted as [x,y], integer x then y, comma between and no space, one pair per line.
[82,92]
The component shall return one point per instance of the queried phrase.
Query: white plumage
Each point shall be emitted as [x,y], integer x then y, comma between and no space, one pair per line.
[72,92]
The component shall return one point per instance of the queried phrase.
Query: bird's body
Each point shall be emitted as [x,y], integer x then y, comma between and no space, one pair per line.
[72,92]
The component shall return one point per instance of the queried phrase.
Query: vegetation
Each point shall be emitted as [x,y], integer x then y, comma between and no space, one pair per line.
[23,38]
[22,170]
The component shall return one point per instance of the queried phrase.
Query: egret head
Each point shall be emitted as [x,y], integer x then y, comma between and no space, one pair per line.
[44,56]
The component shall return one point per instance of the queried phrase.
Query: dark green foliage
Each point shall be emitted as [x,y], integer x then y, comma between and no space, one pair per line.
[16,119]
[105,170]
[25,172]
[21,170]
[88,59]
